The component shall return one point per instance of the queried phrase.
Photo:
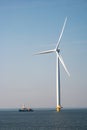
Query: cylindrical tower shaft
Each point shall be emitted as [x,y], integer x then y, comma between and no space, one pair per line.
[58,85]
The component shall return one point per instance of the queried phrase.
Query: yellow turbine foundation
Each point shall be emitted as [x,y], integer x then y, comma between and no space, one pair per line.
[58,108]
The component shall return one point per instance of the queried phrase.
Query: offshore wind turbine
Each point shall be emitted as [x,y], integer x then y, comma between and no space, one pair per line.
[58,60]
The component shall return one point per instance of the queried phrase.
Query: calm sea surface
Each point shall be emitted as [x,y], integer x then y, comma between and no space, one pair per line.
[44,120]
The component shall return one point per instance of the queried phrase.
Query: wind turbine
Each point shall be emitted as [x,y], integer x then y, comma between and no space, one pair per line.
[58,60]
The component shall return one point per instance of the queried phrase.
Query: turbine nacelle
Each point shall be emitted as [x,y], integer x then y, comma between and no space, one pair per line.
[58,50]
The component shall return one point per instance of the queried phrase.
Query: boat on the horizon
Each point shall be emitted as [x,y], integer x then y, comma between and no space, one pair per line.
[24,109]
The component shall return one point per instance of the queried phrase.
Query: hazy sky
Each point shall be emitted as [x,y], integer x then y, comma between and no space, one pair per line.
[29,26]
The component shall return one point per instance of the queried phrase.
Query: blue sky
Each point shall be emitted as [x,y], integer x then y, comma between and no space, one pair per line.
[29,26]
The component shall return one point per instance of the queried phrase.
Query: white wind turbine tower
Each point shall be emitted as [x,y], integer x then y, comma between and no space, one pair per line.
[58,60]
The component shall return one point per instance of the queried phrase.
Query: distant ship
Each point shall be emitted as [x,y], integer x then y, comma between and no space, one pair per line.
[24,109]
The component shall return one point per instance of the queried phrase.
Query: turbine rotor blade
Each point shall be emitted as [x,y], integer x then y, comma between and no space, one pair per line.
[61,33]
[61,60]
[45,52]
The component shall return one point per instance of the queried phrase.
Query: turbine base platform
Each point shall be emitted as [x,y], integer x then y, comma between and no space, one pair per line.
[58,108]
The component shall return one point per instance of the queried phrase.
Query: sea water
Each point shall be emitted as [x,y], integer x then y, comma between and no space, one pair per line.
[75,119]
